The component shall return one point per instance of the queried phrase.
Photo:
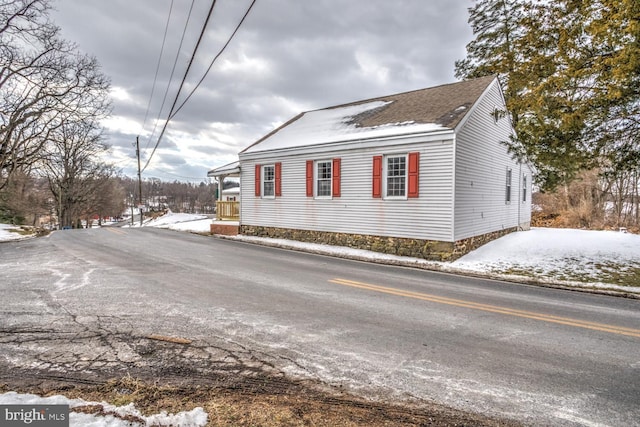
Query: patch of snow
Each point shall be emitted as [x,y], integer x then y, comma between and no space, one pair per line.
[195,223]
[110,415]
[550,250]
[6,234]
[333,125]
[196,226]
[171,218]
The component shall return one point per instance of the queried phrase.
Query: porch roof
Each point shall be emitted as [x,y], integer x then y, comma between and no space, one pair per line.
[230,169]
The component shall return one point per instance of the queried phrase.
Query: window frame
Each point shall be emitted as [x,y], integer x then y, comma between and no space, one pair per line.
[524,188]
[264,181]
[508,186]
[327,178]
[387,177]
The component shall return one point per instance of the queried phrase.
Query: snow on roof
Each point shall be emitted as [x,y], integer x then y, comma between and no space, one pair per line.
[228,169]
[439,108]
[336,125]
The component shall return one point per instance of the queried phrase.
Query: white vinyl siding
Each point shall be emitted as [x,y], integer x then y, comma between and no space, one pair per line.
[427,217]
[482,201]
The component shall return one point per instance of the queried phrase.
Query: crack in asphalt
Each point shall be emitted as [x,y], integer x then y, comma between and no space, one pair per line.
[109,346]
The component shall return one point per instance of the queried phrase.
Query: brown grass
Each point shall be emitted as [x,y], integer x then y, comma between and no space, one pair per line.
[239,407]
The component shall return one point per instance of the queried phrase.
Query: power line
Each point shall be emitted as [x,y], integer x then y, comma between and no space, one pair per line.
[175,101]
[155,78]
[190,178]
[173,69]
[214,60]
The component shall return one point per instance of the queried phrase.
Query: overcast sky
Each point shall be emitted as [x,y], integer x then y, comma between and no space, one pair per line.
[289,56]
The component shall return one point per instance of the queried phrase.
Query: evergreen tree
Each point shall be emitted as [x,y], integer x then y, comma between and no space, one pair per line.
[497,27]
[551,131]
[570,70]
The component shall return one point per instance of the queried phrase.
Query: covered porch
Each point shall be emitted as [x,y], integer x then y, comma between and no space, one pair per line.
[229,209]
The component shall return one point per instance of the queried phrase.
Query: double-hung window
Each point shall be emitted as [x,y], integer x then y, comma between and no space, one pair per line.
[396,176]
[268,181]
[524,188]
[507,196]
[323,178]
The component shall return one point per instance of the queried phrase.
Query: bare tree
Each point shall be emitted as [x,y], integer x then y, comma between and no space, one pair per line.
[73,169]
[44,84]
[108,198]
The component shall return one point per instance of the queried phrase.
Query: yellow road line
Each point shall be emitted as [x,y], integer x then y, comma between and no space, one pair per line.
[492,308]
[115,230]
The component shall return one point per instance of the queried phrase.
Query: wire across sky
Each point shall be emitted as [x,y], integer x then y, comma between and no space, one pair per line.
[175,108]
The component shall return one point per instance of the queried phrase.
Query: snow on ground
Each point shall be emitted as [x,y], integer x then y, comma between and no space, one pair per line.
[107,415]
[170,218]
[11,232]
[178,221]
[580,258]
[545,250]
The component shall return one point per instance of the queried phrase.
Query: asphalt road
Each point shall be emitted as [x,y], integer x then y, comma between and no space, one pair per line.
[83,302]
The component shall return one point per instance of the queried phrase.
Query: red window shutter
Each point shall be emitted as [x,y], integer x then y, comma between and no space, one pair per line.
[414,168]
[335,172]
[278,170]
[258,181]
[309,178]
[377,176]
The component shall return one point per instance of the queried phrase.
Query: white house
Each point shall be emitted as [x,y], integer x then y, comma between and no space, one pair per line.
[423,173]
[231,194]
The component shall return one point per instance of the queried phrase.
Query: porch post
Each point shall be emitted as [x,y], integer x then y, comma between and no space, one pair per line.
[220,186]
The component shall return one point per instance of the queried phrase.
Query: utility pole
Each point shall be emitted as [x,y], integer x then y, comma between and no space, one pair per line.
[139,179]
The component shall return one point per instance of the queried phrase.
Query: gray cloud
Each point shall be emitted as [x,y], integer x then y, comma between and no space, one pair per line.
[289,56]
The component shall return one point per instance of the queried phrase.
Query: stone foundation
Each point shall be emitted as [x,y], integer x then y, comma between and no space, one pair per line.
[432,250]
[464,246]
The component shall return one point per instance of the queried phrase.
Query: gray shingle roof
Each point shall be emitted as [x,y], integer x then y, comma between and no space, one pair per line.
[440,107]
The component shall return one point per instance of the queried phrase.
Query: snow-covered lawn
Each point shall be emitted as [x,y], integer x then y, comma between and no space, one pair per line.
[13,232]
[565,254]
[179,221]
